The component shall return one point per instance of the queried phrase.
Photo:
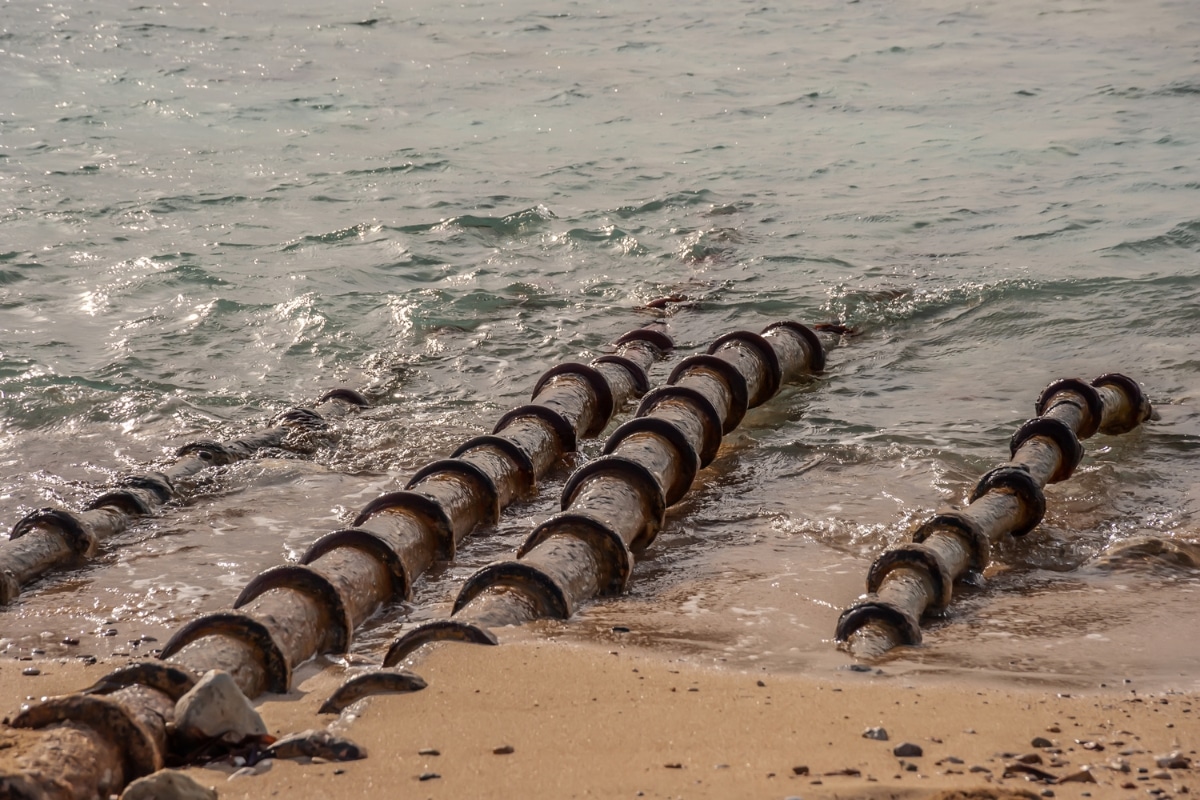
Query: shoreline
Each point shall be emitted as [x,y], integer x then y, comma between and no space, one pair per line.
[615,721]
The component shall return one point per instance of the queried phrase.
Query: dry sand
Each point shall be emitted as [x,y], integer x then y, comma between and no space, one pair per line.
[590,722]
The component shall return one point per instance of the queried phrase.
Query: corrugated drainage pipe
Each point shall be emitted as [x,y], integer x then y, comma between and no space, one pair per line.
[613,507]
[916,578]
[51,538]
[95,742]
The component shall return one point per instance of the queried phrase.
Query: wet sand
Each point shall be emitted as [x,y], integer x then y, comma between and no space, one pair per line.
[618,722]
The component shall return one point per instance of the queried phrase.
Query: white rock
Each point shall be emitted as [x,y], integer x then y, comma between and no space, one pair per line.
[167,784]
[216,708]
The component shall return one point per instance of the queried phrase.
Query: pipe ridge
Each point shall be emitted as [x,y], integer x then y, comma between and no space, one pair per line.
[1069,410]
[577,505]
[306,580]
[247,646]
[688,457]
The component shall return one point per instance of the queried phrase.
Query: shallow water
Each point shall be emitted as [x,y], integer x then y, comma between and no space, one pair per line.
[213,212]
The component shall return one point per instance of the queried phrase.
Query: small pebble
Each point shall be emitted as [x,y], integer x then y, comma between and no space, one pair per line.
[339,772]
[37,651]
[428,751]
[1047,793]
[673,766]
[760,683]
[1041,741]
[110,632]
[801,770]
[428,776]
[620,629]
[88,660]
[1173,761]
[31,671]
[1029,758]
[1054,729]
[70,640]
[503,750]
[910,767]
[908,750]
[878,734]
[1161,775]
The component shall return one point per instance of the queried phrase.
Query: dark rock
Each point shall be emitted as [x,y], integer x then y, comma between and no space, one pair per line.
[801,770]
[316,744]
[503,750]
[908,750]
[428,776]
[1041,741]
[878,734]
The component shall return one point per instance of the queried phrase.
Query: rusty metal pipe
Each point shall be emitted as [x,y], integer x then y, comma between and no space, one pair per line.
[51,538]
[288,614]
[918,577]
[614,506]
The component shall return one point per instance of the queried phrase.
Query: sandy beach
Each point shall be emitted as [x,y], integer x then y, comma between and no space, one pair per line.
[550,720]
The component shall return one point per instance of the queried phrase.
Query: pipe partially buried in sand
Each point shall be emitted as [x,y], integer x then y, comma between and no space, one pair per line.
[913,579]
[95,742]
[52,538]
[613,506]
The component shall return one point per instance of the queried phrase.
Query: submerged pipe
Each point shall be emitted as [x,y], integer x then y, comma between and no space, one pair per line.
[50,538]
[118,731]
[916,578]
[614,506]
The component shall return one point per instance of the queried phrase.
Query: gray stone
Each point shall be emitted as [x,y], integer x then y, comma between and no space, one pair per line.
[215,708]
[908,750]
[167,784]
[878,734]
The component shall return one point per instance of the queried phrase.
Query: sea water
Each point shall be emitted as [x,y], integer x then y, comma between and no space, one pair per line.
[211,212]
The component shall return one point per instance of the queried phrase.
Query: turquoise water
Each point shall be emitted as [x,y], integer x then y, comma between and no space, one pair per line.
[210,213]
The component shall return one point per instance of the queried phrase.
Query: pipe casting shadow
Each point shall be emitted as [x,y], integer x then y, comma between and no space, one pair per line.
[92,743]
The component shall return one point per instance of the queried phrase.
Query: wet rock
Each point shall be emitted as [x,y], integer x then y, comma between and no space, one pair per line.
[1174,760]
[878,734]
[216,709]
[908,750]
[316,744]
[167,784]
[1041,741]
